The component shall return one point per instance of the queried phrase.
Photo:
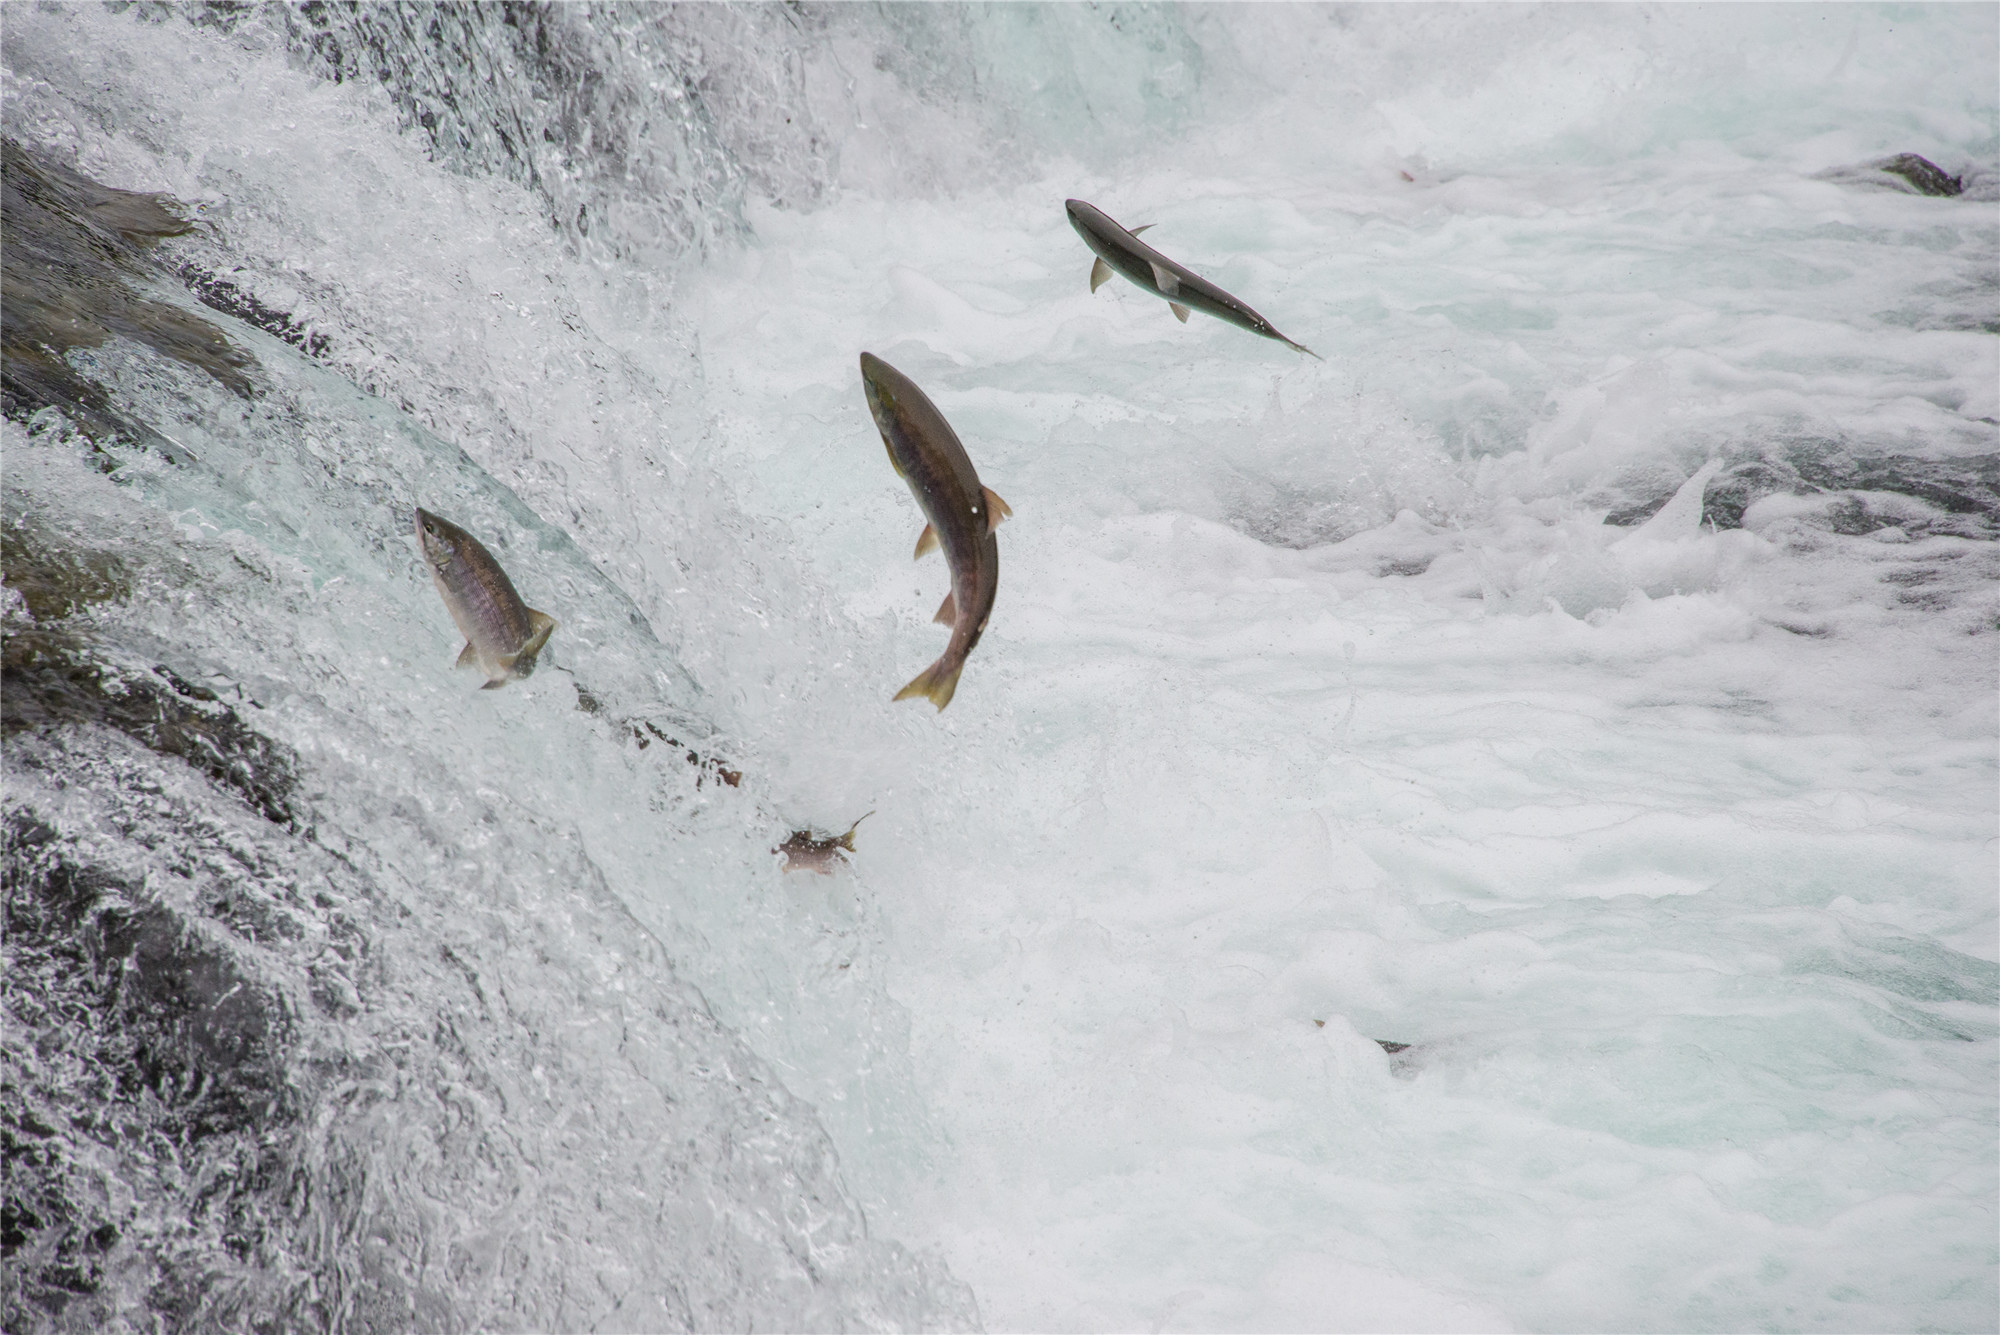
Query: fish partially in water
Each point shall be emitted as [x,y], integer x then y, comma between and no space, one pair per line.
[503,635]
[1120,251]
[962,515]
[806,851]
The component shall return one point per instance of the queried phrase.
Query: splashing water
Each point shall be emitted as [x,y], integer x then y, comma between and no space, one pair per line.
[1584,679]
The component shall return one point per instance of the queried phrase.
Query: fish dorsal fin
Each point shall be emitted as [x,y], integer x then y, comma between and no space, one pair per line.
[997,510]
[1100,274]
[1180,311]
[467,657]
[947,614]
[1140,228]
[927,542]
[1163,279]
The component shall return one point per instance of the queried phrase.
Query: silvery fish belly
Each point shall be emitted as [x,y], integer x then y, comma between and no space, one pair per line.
[962,515]
[503,635]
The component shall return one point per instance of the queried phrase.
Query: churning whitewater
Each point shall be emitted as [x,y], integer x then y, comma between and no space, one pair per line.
[1494,829]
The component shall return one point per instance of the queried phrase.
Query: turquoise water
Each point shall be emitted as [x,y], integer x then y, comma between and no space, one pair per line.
[1323,703]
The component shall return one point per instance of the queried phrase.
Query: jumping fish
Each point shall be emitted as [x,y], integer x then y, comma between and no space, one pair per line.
[1123,251]
[503,635]
[806,851]
[962,515]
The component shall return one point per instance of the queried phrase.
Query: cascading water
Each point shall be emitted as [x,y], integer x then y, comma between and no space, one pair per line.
[1584,680]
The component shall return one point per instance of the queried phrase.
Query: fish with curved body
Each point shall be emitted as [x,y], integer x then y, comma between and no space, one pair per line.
[961,515]
[806,851]
[1120,251]
[503,635]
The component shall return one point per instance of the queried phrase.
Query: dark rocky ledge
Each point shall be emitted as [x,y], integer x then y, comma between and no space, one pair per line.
[51,677]
[1924,176]
[73,253]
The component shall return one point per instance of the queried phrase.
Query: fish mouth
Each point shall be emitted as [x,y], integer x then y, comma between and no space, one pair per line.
[1083,214]
[431,536]
[880,390]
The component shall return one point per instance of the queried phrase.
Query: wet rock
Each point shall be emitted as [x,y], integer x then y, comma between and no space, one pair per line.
[1963,494]
[221,293]
[73,252]
[1924,176]
[51,676]
[1906,172]
[144,1055]
[49,679]
[55,580]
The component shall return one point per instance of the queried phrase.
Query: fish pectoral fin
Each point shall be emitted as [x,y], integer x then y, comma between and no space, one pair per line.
[1100,274]
[997,510]
[947,613]
[1140,228]
[1164,279]
[1180,311]
[927,542]
[467,657]
[496,683]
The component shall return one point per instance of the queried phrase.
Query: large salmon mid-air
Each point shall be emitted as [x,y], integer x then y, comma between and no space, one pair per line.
[962,515]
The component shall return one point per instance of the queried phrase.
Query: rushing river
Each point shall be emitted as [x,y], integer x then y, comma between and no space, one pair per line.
[1499,828]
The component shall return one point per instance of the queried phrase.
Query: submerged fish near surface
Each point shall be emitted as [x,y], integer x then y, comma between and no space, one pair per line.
[806,851]
[503,635]
[1183,289]
[962,515]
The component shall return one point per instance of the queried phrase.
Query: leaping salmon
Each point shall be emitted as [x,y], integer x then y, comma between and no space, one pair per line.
[503,635]
[962,515]
[1182,288]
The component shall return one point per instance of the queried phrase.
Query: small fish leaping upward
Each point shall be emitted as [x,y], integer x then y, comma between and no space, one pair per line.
[962,515]
[503,635]
[1182,288]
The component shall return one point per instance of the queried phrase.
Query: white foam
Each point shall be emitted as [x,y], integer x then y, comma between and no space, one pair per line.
[1321,704]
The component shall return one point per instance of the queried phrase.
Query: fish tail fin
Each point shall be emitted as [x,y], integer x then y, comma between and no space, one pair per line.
[846,841]
[522,662]
[936,683]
